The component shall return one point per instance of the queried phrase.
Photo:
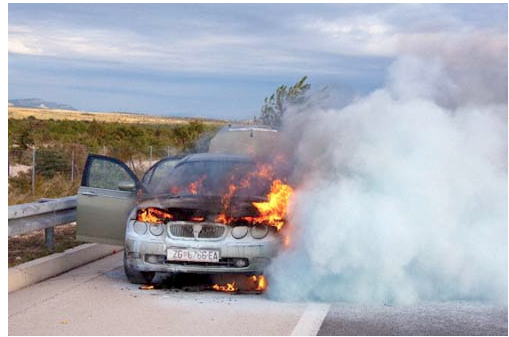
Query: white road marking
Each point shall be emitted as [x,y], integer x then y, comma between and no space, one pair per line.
[311,320]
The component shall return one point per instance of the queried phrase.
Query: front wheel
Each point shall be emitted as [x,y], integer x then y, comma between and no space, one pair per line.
[135,276]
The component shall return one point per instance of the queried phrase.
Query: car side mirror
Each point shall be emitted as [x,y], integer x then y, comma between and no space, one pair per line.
[127,186]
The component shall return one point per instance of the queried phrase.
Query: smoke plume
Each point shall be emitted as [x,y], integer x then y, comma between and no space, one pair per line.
[401,196]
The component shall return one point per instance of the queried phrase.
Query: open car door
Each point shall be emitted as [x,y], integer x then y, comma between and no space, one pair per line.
[105,198]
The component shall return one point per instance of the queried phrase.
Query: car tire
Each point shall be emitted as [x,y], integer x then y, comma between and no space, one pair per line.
[135,276]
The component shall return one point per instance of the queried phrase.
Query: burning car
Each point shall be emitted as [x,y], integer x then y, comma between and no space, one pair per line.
[204,213]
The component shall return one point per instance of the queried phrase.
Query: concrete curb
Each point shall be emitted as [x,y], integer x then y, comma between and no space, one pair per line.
[41,269]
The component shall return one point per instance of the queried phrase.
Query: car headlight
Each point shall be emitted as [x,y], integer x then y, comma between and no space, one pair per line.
[140,227]
[156,229]
[238,232]
[259,231]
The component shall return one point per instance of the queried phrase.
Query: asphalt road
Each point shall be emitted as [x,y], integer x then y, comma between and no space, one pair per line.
[429,319]
[96,299]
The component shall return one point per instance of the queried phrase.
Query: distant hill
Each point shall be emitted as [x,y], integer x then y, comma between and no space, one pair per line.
[39,103]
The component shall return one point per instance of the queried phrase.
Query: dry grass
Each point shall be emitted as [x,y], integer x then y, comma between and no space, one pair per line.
[110,117]
[30,246]
[58,186]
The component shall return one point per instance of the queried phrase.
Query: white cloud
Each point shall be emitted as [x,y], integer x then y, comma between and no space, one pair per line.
[302,43]
[18,47]
[205,52]
[21,41]
[359,35]
[90,43]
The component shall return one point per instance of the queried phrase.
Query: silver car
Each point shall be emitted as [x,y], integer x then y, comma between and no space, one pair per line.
[181,217]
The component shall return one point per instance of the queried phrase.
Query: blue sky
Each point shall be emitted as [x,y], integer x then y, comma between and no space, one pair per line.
[217,61]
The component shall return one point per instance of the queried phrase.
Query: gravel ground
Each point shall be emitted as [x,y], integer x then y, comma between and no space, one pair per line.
[30,246]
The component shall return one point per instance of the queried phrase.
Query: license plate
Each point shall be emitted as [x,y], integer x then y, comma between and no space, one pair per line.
[193,255]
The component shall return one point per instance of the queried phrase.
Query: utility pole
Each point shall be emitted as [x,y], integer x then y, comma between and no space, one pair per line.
[72,166]
[150,147]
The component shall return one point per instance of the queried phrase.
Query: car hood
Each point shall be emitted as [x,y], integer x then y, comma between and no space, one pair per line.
[203,204]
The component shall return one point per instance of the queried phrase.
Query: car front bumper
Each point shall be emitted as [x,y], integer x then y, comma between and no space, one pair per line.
[149,253]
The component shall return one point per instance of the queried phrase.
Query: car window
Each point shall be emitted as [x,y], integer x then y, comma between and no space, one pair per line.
[160,171]
[106,174]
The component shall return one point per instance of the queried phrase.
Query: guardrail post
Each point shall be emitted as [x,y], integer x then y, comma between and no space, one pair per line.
[33,171]
[49,235]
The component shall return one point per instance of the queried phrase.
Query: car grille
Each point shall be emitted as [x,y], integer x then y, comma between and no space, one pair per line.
[210,232]
[207,231]
[184,231]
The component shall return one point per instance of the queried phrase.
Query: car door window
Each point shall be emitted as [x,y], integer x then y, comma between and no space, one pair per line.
[107,174]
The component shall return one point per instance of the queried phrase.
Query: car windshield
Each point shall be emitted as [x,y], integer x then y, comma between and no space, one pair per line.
[209,178]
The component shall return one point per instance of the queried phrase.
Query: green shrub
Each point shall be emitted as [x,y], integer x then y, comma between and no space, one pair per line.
[55,140]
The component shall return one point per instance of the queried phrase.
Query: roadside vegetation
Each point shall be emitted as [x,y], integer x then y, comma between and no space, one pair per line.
[57,140]
[25,133]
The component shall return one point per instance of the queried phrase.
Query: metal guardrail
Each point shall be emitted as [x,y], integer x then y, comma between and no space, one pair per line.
[45,214]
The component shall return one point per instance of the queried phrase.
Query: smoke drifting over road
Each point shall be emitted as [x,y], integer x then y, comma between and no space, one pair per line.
[402,195]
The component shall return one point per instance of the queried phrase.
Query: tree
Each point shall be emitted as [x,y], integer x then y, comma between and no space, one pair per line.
[275,106]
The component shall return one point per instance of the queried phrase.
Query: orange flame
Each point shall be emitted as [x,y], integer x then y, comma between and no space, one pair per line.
[229,287]
[222,218]
[251,283]
[260,282]
[263,171]
[273,211]
[195,185]
[225,200]
[153,215]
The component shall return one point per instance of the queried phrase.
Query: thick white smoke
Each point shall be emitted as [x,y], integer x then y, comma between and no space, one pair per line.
[402,195]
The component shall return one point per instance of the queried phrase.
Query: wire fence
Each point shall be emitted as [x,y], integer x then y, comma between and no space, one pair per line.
[55,171]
